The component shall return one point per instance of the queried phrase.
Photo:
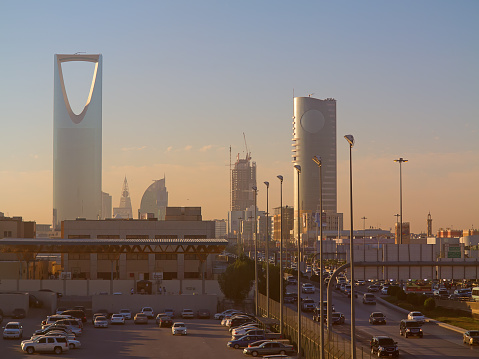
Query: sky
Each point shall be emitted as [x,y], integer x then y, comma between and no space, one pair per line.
[183,80]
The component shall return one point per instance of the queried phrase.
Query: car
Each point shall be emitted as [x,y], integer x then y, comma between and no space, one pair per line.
[337,318]
[250,331]
[369,298]
[471,337]
[290,297]
[384,346]
[53,319]
[56,345]
[220,316]
[19,313]
[187,313]
[76,313]
[59,295]
[410,328]
[307,288]
[53,327]
[203,314]
[169,312]
[13,330]
[178,328]
[74,343]
[244,341]
[140,318]
[377,318]
[148,311]
[417,316]
[126,313]
[463,294]
[269,348]
[307,305]
[441,293]
[244,328]
[73,324]
[100,322]
[55,333]
[96,315]
[373,288]
[159,316]
[117,319]
[292,280]
[165,322]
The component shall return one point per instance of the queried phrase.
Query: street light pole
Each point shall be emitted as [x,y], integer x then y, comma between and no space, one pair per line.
[281,303]
[397,226]
[400,160]
[255,189]
[317,160]
[350,140]
[267,248]
[298,169]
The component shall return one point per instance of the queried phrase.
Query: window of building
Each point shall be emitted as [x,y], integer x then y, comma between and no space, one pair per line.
[78,236]
[137,236]
[7,234]
[170,275]
[107,256]
[166,236]
[137,256]
[166,256]
[108,236]
[78,256]
[191,257]
[192,275]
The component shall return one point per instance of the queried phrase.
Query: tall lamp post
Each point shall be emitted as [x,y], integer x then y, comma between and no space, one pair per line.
[317,160]
[281,303]
[350,140]
[400,160]
[397,215]
[298,169]
[256,296]
[267,248]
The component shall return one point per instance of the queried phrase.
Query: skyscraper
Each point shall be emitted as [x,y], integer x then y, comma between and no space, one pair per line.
[77,146]
[243,178]
[155,200]
[314,134]
[124,210]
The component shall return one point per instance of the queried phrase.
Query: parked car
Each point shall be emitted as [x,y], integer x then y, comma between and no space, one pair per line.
[384,346]
[60,310]
[417,316]
[203,314]
[73,343]
[140,318]
[377,318]
[178,328]
[369,298]
[13,330]
[126,313]
[169,312]
[75,325]
[220,316]
[100,322]
[148,311]
[410,328]
[165,322]
[53,319]
[471,337]
[244,341]
[187,313]
[75,313]
[117,319]
[53,327]
[242,329]
[250,331]
[56,345]
[269,348]
[55,333]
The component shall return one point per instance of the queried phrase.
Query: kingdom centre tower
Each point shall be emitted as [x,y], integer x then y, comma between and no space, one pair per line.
[77,146]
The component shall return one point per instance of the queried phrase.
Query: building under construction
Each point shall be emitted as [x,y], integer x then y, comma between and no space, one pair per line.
[243,178]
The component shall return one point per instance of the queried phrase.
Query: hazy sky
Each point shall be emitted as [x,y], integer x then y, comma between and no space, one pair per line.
[182,81]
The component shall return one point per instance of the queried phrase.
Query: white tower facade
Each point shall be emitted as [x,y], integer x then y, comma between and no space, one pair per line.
[77,147]
[314,134]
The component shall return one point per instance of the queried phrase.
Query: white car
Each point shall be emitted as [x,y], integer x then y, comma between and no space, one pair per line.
[148,311]
[73,343]
[56,345]
[126,313]
[417,316]
[178,328]
[100,322]
[117,319]
[13,330]
[187,313]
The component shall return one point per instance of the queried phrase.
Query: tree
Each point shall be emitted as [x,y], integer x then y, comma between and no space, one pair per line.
[236,281]
[273,282]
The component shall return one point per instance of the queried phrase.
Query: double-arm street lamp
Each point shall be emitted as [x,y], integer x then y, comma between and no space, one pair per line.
[400,160]
[317,160]
[350,140]
[281,303]
[267,248]
[298,169]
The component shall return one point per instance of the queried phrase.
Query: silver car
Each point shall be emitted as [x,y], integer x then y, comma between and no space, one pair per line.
[13,330]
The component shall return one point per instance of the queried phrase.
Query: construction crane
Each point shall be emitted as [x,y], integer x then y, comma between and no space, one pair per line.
[246,145]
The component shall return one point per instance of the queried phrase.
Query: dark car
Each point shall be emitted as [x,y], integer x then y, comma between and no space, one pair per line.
[79,314]
[34,302]
[244,341]
[19,313]
[204,314]
[384,346]
[290,297]
[373,288]
[377,318]
[165,322]
[410,328]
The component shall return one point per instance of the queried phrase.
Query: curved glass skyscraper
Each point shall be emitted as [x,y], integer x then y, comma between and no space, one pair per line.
[77,147]
[155,200]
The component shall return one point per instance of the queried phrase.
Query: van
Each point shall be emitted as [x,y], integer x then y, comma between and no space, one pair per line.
[369,298]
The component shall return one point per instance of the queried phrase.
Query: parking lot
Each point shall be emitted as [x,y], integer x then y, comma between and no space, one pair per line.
[206,339]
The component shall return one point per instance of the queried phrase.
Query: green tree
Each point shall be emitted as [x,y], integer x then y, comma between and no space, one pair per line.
[273,282]
[429,304]
[236,281]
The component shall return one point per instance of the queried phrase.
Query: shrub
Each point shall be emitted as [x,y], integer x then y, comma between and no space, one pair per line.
[412,298]
[429,304]
[401,295]
[422,299]
[394,290]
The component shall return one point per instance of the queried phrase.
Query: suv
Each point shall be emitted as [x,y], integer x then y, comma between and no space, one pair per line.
[307,305]
[410,327]
[13,330]
[148,311]
[377,318]
[369,298]
[384,346]
[46,344]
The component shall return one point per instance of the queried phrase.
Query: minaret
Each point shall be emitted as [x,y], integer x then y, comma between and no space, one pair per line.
[124,210]
[429,225]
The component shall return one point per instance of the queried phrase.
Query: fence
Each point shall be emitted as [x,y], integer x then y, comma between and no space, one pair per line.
[336,346]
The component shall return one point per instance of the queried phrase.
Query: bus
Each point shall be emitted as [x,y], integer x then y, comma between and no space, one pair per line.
[475,294]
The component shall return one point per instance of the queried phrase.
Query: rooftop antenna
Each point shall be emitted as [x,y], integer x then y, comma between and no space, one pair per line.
[79,52]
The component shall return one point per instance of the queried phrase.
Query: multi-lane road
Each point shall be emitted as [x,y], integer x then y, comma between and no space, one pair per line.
[438,342]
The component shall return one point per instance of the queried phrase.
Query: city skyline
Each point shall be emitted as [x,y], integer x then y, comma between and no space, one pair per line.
[182,82]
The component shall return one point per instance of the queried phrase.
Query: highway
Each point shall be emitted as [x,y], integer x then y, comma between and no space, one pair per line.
[438,342]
